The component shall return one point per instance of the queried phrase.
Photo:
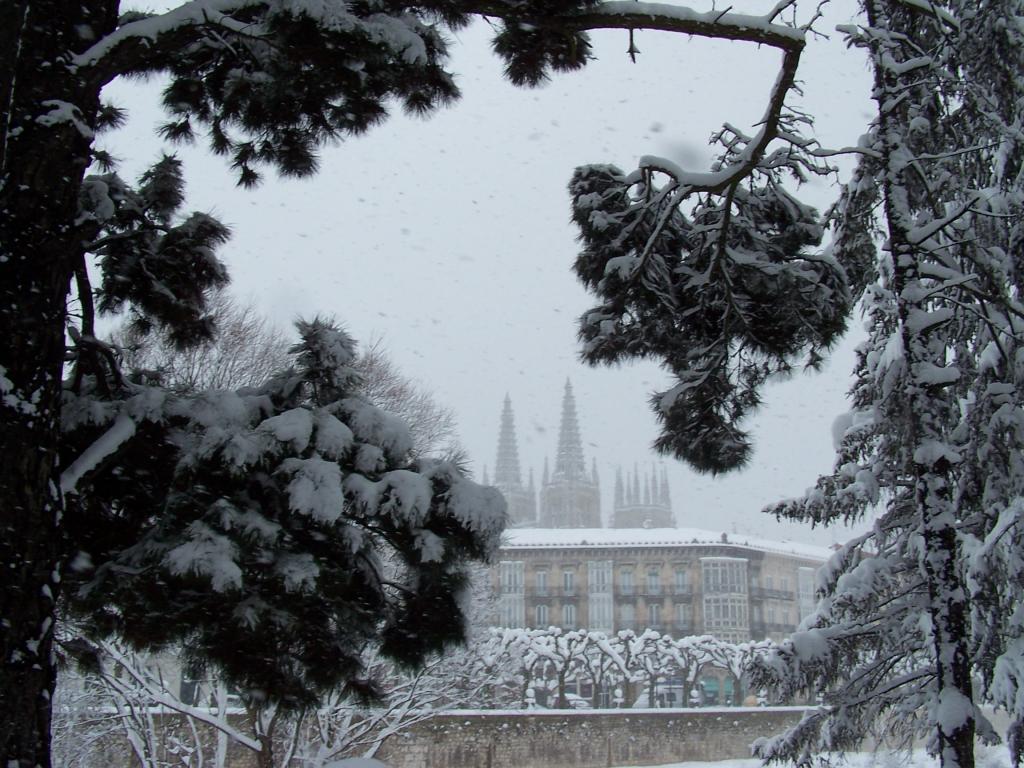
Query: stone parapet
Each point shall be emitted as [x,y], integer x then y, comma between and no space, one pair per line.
[583,739]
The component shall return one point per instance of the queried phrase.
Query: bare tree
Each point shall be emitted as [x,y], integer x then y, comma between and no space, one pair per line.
[134,706]
[247,348]
[432,425]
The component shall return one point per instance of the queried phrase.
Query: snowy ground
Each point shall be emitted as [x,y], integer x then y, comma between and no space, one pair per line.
[986,757]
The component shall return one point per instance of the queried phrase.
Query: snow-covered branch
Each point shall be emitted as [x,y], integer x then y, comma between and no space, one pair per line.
[105,446]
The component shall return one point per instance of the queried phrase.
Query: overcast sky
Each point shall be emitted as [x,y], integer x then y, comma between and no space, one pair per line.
[450,238]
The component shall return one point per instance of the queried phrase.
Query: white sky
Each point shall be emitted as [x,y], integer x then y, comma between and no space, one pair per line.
[451,238]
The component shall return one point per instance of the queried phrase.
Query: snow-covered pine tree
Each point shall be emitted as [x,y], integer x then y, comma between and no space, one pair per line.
[276,532]
[920,621]
[266,83]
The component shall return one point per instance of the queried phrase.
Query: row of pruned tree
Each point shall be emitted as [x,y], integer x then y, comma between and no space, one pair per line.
[154,711]
[553,661]
[135,704]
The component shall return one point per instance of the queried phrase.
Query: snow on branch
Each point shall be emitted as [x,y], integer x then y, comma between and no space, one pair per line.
[120,432]
[624,14]
[134,674]
[120,50]
[749,158]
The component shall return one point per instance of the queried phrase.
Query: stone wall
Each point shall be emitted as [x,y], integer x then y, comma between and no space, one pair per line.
[583,738]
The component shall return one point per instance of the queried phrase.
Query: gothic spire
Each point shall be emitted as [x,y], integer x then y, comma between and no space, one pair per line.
[506,466]
[569,459]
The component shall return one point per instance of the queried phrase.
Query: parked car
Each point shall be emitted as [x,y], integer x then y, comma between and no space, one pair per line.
[578,702]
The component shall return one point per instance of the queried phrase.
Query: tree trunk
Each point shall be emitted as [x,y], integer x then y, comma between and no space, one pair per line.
[266,724]
[928,406]
[48,138]
[737,690]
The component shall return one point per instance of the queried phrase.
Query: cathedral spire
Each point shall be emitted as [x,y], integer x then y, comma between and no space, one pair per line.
[570,496]
[569,459]
[506,466]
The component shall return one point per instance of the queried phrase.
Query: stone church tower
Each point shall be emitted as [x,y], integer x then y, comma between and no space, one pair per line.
[642,501]
[570,497]
[522,501]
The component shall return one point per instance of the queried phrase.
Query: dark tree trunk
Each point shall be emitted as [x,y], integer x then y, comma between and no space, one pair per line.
[48,113]
[13,15]
[927,405]
[265,735]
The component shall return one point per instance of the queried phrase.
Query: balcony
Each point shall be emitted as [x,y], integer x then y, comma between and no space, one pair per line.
[763,593]
[760,629]
[641,626]
[652,590]
[626,590]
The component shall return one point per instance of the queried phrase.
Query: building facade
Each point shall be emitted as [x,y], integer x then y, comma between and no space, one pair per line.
[559,567]
[679,582]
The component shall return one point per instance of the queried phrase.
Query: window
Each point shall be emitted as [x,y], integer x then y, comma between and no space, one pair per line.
[511,611]
[568,582]
[805,598]
[599,576]
[724,575]
[785,584]
[569,616]
[627,614]
[726,616]
[684,615]
[542,617]
[654,615]
[653,582]
[511,608]
[626,585]
[682,581]
[599,609]
[542,582]
[511,575]
[769,583]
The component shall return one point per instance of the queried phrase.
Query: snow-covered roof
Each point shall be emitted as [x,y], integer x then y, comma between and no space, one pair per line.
[607,538]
